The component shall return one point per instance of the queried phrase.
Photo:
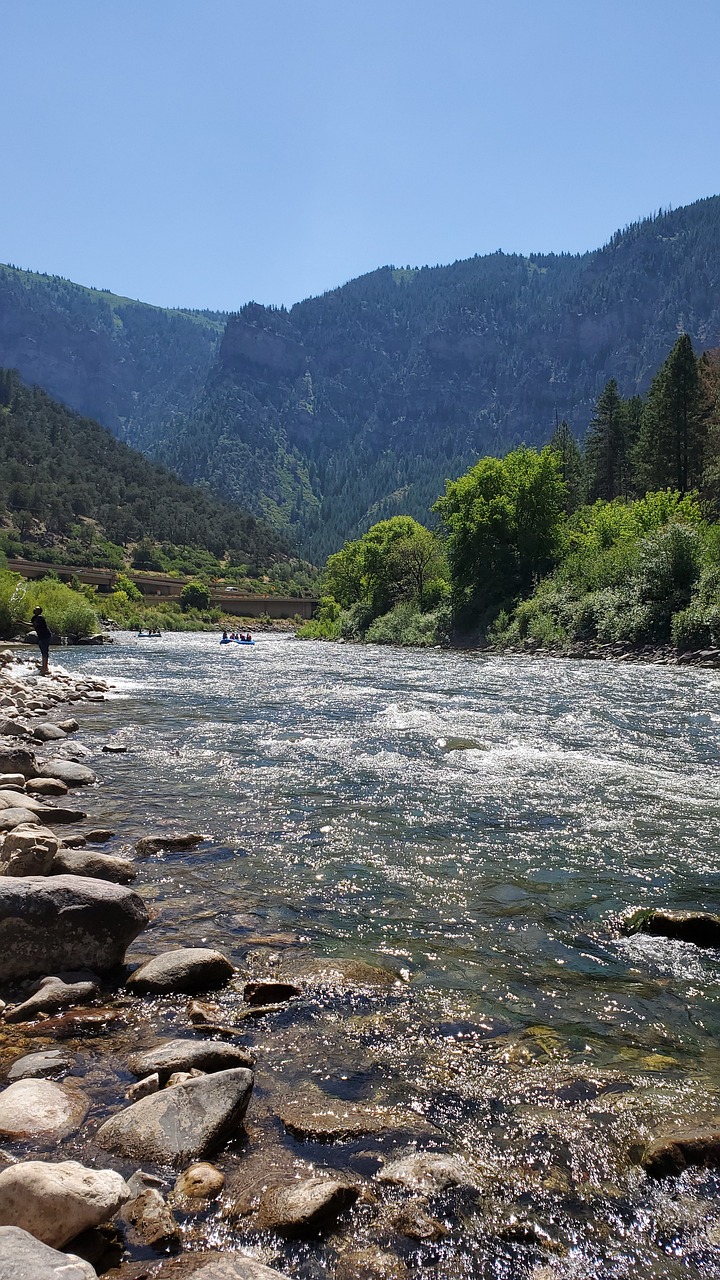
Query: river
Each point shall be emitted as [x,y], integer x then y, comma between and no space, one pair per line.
[479,825]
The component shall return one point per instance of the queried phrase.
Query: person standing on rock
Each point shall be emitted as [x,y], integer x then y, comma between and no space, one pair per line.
[42,631]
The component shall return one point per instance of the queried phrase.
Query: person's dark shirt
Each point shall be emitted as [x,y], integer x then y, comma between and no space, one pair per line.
[42,630]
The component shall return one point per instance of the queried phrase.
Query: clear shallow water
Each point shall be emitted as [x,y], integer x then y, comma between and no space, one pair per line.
[480,824]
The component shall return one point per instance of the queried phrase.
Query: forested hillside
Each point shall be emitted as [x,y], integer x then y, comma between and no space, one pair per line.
[70,492]
[126,364]
[359,404]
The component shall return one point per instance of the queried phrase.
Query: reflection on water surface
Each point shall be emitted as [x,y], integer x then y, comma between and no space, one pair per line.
[480,824]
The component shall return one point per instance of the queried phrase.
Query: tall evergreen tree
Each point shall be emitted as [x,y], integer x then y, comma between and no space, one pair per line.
[672,433]
[571,464]
[605,454]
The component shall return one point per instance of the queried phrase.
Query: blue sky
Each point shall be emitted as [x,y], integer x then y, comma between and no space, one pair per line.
[208,152]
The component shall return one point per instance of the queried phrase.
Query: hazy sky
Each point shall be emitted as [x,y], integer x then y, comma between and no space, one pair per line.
[207,152]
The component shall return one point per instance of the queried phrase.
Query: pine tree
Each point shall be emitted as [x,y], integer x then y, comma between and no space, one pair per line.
[571,463]
[605,453]
[672,434]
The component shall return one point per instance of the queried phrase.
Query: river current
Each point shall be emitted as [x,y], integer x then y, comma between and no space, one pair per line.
[480,826]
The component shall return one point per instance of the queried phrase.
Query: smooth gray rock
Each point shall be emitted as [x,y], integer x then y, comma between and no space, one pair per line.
[40,1109]
[35,1066]
[14,729]
[215,1266]
[305,1208]
[12,780]
[53,996]
[48,733]
[101,866]
[55,1202]
[184,1123]
[12,799]
[22,1257]
[184,1055]
[68,771]
[16,817]
[69,726]
[46,787]
[65,922]
[188,970]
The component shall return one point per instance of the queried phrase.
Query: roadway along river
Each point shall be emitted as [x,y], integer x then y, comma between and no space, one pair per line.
[480,825]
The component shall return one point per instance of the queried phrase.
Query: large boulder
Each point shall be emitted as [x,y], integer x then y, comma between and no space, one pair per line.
[186,1055]
[46,787]
[189,969]
[48,733]
[22,1257]
[183,1123]
[28,850]
[18,760]
[68,771]
[40,1110]
[55,1202]
[65,922]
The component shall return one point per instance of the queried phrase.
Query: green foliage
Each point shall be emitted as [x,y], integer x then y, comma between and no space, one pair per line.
[69,614]
[504,519]
[194,595]
[326,625]
[127,586]
[405,624]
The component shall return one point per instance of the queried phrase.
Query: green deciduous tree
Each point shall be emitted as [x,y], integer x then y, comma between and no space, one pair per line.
[504,519]
[194,595]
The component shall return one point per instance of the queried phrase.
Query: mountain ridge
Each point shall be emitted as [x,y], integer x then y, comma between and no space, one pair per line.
[360,402]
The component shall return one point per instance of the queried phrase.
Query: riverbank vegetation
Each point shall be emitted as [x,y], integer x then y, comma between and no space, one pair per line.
[615,541]
[71,494]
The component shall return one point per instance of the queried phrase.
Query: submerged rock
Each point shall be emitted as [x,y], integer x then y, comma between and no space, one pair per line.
[672,1152]
[168,842]
[700,927]
[427,1172]
[40,1109]
[213,1266]
[184,1123]
[347,974]
[55,1202]
[189,969]
[184,1055]
[304,1208]
[22,1257]
[65,922]
[270,992]
[35,1066]
[344,1122]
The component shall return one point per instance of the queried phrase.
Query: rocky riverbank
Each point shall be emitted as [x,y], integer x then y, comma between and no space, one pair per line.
[659,654]
[247,1111]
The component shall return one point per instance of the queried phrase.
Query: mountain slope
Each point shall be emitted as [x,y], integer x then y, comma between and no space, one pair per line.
[359,404]
[66,482]
[129,365]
